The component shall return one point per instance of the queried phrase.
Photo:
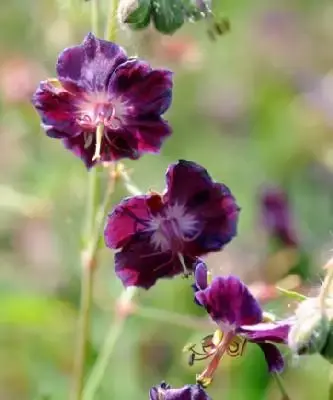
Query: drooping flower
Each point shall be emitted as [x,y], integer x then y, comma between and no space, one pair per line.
[105,106]
[160,235]
[188,392]
[240,320]
[276,216]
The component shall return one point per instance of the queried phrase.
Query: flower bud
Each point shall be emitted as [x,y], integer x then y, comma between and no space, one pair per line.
[168,15]
[311,330]
[135,13]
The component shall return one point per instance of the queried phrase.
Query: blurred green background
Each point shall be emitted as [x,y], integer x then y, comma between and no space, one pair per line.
[254,107]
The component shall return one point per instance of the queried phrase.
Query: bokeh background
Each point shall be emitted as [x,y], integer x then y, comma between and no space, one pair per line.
[255,107]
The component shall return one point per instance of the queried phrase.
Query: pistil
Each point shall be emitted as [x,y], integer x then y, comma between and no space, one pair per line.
[99,138]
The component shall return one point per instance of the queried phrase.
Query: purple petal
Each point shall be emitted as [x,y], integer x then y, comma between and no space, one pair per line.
[228,301]
[212,203]
[139,264]
[148,91]
[115,145]
[188,392]
[273,357]
[130,217]
[150,132]
[89,66]
[57,110]
[201,275]
[272,332]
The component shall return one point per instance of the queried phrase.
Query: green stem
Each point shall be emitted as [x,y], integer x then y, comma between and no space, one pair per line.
[330,390]
[111,25]
[94,16]
[183,321]
[281,387]
[102,362]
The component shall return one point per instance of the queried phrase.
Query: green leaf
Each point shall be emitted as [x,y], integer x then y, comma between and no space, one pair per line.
[168,15]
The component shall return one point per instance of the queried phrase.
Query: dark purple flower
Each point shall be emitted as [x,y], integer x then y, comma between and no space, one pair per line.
[161,235]
[240,319]
[104,105]
[276,216]
[188,392]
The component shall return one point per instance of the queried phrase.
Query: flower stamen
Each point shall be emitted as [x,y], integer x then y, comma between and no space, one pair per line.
[99,138]
[187,273]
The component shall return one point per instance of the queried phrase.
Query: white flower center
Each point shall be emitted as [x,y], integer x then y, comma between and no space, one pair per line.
[96,109]
[172,228]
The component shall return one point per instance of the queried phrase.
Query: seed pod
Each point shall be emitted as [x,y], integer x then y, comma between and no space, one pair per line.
[135,13]
[168,15]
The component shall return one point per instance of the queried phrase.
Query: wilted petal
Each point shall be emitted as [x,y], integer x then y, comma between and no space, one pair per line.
[128,218]
[272,332]
[89,65]
[228,301]
[188,392]
[212,203]
[273,357]
[147,91]
[139,264]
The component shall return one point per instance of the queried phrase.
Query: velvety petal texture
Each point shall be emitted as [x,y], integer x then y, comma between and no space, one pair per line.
[162,235]
[99,86]
[230,303]
[188,392]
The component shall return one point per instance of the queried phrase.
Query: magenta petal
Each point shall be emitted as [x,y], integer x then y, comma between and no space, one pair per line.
[149,92]
[273,357]
[272,332]
[131,216]
[228,301]
[89,65]
[57,110]
[140,264]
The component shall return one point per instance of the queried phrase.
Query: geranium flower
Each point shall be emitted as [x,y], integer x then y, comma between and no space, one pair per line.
[188,392]
[104,105]
[276,216]
[240,319]
[160,235]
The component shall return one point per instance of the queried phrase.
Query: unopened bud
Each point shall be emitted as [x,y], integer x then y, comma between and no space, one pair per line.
[135,13]
[168,15]
[311,330]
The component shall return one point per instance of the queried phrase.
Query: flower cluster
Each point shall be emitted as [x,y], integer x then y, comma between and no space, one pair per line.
[105,106]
